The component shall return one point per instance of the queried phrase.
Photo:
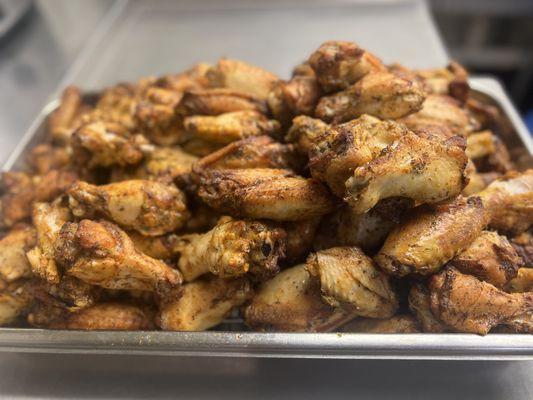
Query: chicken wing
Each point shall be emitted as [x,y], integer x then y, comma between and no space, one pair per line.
[523,245]
[432,236]
[218,101]
[229,127]
[523,282]
[335,155]
[350,280]
[467,304]
[61,122]
[490,258]
[339,64]
[151,208]
[480,144]
[380,94]
[100,253]
[202,304]
[52,184]
[46,157]
[264,193]
[304,132]
[509,201]
[11,308]
[232,248]
[413,167]
[161,247]
[452,81]
[291,301]
[300,238]
[13,247]
[395,324]
[420,306]
[18,193]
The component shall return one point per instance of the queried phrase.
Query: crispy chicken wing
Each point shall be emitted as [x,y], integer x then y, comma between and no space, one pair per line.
[395,324]
[264,193]
[350,280]
[13,247]
[432,236]
[523,245]
[218,101]
[102,254]
[477,181]
[18,193]
[300,237]
[291,301]
[452,81]
[162,247]
[339,64]
[229,127]
[151,208]
[62,121]
[46,157]
[490,258]
[420,305]
[480,144]
[420,169]
[380,94]
[232,248]
[467,304]
[304,132]
[523,282]
[11,308]
[204,303]
[52,184]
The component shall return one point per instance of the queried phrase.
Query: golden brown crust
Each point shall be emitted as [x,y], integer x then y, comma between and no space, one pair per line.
[218,101]
[420,306]
[523,282]
[13,247]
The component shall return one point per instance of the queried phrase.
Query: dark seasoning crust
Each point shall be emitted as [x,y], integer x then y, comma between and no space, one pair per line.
[342,194]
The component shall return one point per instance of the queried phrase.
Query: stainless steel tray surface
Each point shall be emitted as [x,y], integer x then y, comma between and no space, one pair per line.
[230,340]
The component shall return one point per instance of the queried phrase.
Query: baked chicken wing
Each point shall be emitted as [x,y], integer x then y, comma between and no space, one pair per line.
[420,306]
[304,132]
[523,245]
[523,282]
[13,247]
[218,101]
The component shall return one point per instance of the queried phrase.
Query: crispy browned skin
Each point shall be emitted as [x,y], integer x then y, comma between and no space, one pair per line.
[420,306]
[350,280]
[264,193]
[304,131]
[339,64]
[467,304]
[499,160]
[204,303]
[523,245]
[52,184]
[241,77]
[480,144]
[335,155]
[162,247]
[452,80]
[490,258]
[102,254]
[108,316]
[380,94]
[523,282]
[232,248]
[432,236]
[13,247]
[151,208]
[300,238]
[229,127]
[477,181]
[61,121]
[45,157]
[291,301]
[395,324]
[423,170]
[509,201]
[254,152]
[17,196]
[218,101]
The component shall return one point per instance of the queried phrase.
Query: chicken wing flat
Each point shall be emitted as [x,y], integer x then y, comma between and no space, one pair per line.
[62,121]
[339,64]
[232,248]
[241,77]
[380,94]
[304,131]
[218,101]
[509,201]
[467,304]
[229,127]
[151,208]
[430,237]
[202,304]
[100,253]
[395,324]
[13,247]
[422,170]
[257,193]
[523,282]
[490,258]
[420,306]
[109,316]
[335,155]
[48,220]
[523,245]
[104,144]
[291,301]
[46,157]
[350,280]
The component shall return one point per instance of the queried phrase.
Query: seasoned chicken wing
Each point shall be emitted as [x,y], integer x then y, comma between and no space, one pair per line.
[420,305]
[452,80]
[396,324]
[480,144]
[423,170]
[11,308]
[229,127]
[241,77]
[218,101]
[18,193]
[13,247]
[380,94]
[275,194]
[162,247]
[46,157]
[204,303]
[430,237]
[291,301]
[300,237]
[490,258]
[151,208]
[102,254]
[523,282]
[339,64]
[52,184]
[477,181]
[467,304]
[350,280]
[232,248]
[62,121]
[509,201]
[335,155]
[523,245]
[304,132]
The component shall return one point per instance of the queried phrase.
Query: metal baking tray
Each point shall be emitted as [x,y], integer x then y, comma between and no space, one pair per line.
[230,340]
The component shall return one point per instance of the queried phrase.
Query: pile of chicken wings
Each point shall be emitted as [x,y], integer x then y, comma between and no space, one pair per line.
[355,196]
